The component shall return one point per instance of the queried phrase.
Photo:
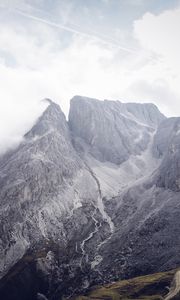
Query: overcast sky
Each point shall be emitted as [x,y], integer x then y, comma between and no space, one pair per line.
[125,50]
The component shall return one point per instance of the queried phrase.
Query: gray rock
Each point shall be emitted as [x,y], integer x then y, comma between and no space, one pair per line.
[163,136]
[113,130]
[32,181]
[168,175]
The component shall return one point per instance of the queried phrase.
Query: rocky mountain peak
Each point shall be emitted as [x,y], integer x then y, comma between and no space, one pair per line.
[52,119]
[113,130]
[147,113]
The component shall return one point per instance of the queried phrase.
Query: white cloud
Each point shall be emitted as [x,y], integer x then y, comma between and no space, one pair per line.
[34,66]
[160,34]
[35,63]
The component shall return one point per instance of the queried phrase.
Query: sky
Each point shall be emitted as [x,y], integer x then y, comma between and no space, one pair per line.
[125,50]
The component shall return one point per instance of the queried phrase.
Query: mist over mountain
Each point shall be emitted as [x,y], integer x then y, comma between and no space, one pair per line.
[90,200]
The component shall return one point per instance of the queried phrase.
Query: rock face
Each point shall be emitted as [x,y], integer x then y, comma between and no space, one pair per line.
[113,130]
[89,201]
[146,214]
[30,176]
[169,172]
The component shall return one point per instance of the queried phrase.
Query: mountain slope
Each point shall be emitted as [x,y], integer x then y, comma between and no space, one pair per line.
[49,196]
[151,287]
[146,218]
[39,182]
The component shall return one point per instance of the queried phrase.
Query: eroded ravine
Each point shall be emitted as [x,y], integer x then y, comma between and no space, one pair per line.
[99,206]
[90,236]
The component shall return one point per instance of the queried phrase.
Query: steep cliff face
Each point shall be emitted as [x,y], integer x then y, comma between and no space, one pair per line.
[90,200]
[115,140]
[163,136]
[169,145]
[113,130]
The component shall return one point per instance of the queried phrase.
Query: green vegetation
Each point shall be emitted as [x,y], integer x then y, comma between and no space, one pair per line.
[150,287]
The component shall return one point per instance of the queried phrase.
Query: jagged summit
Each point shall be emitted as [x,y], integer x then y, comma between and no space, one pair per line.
[48,100]
[52,119]
[79,98]
[147,113]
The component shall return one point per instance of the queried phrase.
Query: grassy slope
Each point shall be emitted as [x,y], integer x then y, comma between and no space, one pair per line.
[150,287]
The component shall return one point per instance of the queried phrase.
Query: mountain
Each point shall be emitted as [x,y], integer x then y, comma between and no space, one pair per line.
[49,197]
[30,180]
[89,201]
